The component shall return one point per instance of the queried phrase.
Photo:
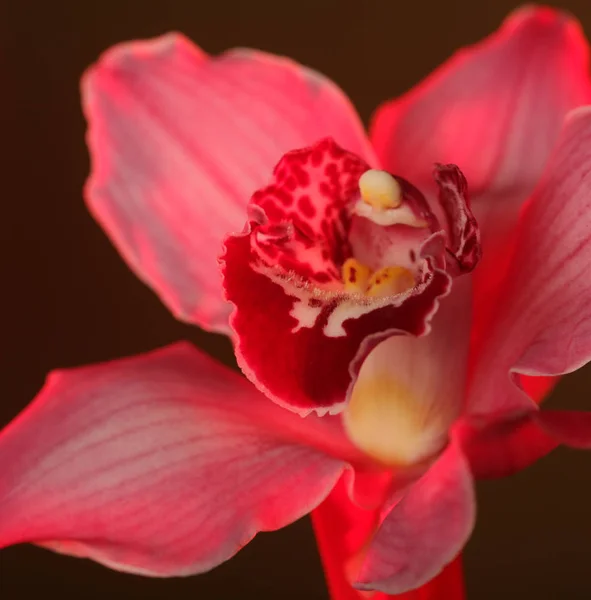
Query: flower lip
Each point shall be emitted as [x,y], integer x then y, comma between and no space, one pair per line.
[299,326]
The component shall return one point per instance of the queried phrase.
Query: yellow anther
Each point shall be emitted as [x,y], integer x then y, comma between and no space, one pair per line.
[380,189]
[355,275]
[389,281]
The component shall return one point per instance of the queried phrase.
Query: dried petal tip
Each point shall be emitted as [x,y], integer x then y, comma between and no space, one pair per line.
[380,190]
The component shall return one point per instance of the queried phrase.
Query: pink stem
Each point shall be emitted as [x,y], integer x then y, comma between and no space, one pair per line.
[341,529]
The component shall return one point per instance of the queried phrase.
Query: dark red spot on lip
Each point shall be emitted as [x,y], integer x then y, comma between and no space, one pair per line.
[336,151]
[305,206]
[301,175]
[326,190]
[285,197]
[322,277]
[303,228]
[272,211]
[353,275]
[331,170]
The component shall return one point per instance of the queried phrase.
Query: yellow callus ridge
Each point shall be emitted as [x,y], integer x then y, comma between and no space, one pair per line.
[355,275]
[388,281]
[384,420]
[380,189]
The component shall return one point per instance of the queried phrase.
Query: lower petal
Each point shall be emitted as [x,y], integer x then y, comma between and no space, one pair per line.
[342,528]
[424,531]
[163,464]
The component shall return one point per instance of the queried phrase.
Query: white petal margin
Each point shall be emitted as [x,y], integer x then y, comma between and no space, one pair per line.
[425,530]
[179,142]
[162,464]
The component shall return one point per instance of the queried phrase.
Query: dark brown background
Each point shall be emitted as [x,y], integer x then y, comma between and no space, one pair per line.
[67,299]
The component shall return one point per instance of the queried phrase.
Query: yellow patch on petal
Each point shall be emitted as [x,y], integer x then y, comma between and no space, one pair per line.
[389,281]
[355,275]
[380,190]
[385,420]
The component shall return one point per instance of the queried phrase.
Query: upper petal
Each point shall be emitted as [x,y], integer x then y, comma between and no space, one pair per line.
[163,464]
[424,531]
[179,141]
[494,109]
[542,326]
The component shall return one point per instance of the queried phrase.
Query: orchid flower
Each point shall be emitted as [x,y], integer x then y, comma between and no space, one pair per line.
[399,304]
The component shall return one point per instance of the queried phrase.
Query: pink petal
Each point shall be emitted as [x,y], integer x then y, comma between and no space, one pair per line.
[424,531]
[162,464]
[543,324]
[297,329]
[179,141]
[494,109]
